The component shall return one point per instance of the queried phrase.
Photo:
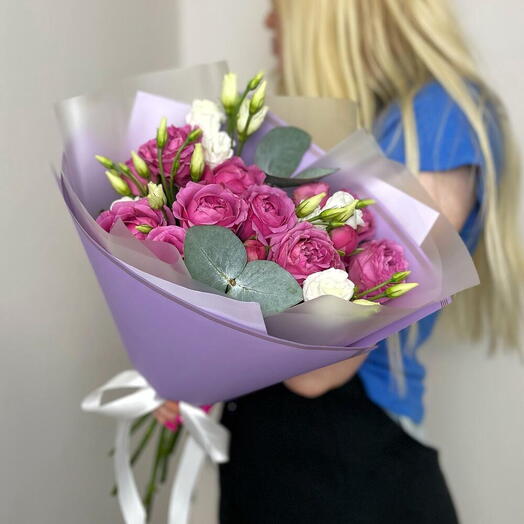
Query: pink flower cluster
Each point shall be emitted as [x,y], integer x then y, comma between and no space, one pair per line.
[233,195]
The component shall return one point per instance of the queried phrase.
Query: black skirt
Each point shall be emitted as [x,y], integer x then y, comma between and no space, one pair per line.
[336,459]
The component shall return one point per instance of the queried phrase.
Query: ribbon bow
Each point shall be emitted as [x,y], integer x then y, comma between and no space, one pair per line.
[205,437]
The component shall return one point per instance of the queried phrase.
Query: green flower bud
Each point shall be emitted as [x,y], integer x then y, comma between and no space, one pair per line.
[339,214]
[194,135]
[198,164]
[156,196]
[255,81]
[106,162]
[367,303]
[365,203]
[229,92]
[140,165]
[143,228]
[399,277]
[254,123]
[161,134]
[117,183]
[399,289]
[348,211]
[258,99]
[307,206]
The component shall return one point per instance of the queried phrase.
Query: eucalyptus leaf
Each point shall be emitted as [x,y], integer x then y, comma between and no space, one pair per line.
[214,255]
[268,284]
[315,172]
[281,150]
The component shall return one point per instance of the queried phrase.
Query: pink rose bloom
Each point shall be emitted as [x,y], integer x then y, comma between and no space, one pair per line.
[132,213]
[236,176]
[255,250]
[308,190]
[149,153]
[376,264]
[304,250]
[209,205]
[174,235]
[344,239]
[271,212]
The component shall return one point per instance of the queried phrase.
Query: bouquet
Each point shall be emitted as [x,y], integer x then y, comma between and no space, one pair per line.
[238,253]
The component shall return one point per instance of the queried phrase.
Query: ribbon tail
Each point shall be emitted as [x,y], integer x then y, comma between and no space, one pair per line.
[128,497]
[186,477]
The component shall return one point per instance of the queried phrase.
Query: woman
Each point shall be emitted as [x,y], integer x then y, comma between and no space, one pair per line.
[341,444]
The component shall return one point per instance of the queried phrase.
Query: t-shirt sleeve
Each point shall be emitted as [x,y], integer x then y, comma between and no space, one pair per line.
[445,137]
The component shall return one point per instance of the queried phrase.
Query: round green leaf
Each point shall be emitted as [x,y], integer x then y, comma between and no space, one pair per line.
[281,150]
[214,255]
[268,284]
[312,174]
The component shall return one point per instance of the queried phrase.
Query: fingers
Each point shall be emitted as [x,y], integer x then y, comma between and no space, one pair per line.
[167,412]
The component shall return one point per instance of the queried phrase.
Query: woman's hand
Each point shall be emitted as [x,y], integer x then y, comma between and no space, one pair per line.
[167,413]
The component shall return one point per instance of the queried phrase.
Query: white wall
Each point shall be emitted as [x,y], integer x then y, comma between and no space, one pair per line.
[57,338]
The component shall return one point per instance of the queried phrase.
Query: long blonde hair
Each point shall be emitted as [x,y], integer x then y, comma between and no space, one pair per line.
[379,51]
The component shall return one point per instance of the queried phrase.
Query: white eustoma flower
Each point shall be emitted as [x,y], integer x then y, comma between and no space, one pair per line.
[206,115]
[329,282]
[341,199]
[217,148]
[124,199]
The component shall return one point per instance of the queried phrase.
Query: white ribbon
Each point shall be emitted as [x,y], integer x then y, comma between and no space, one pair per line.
[205,437]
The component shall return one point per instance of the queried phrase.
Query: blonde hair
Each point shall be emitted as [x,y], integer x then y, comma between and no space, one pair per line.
[380,51]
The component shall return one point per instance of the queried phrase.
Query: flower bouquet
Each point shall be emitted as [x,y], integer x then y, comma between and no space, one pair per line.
[238,253]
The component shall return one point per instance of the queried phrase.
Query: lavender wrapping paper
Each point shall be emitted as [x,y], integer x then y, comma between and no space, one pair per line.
[198,353]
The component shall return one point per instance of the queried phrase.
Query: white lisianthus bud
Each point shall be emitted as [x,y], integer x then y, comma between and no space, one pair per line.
[123,199]
[342,199]
[206,115]
[156,196]
[106,162]
[161,134]
[140,165]
[373,306]
[197,164]
[118,184]
[398,290]
[309,205]
[255,81]
[229,91]
[217,148]
[258,98]
[329,282]
[256,120]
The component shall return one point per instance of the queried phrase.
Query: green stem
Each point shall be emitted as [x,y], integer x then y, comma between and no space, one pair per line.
[152,485]
[134,428]
[140,448]
[174,169]
[162,174]
[134,179]
[170,446]
[371,289]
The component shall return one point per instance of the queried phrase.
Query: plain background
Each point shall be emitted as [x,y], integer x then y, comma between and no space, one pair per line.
[57,339]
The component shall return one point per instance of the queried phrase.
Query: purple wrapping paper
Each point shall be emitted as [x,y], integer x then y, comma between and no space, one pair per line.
[196,352]
[186,354]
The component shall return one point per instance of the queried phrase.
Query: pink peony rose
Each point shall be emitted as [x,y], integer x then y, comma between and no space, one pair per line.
[255,250]
[132,213]
[344,239]
[309,190]
[376,264]
[149,153]
[304,250]
[271,212]
[209,205]
[236,176]
[174,235]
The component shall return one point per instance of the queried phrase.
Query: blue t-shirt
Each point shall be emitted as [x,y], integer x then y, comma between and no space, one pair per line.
[446,141]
